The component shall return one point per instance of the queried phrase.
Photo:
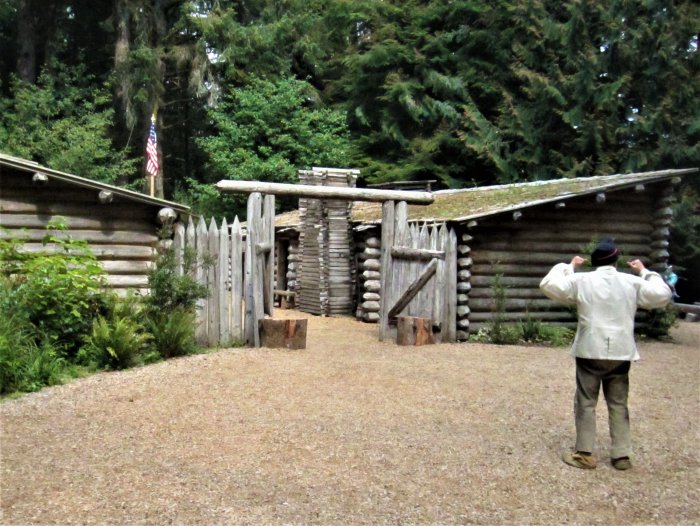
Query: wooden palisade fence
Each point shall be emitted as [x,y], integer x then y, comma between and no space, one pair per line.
[236,269]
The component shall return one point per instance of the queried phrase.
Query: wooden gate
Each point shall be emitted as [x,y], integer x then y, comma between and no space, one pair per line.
[237,270]
[418,274]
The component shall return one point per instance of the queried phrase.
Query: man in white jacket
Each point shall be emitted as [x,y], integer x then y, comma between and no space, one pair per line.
[604,347]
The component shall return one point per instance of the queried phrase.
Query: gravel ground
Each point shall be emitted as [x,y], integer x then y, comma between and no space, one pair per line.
[351,431]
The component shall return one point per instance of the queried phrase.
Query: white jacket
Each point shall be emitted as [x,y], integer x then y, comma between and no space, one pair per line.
[606,301]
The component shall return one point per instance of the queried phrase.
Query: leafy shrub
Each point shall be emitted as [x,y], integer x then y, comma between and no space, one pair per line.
[659,322]
[25,364]
[115,343]
[173,332]
[171,288]
[59,292]
[532,330]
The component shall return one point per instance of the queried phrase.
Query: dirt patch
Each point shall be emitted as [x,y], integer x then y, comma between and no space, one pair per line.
[351,431]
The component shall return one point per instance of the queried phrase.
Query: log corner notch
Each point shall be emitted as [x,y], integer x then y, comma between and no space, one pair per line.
[40,179]
[105,197]
[167,217]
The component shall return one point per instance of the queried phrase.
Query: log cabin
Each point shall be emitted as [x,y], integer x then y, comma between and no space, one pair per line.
[124,228]
[513,234]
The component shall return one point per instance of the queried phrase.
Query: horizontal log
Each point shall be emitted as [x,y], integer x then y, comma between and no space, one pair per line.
[506,281]
[324,192]
[561,246]
[79,223]
[477,326]
[533,270]
[504,233]
[686,307]
[285,293]
[127,281]
[100,251]
[511,304]
[126,266]
[595,227]
[123,210]
[416,254]
[520,293]
[519,316]
[103,237]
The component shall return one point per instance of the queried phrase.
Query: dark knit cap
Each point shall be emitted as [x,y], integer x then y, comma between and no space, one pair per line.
[606,253]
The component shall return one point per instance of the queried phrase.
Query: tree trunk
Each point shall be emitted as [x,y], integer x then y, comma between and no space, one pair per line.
[26,42]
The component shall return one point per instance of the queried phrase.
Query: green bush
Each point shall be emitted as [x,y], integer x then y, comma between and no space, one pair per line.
[173,332]
[659,322]
[115,343]
[27,362]
[170,288]
[59,292]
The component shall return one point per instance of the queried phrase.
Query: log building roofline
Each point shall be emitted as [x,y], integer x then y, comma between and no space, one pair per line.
[473,203]
[32,167]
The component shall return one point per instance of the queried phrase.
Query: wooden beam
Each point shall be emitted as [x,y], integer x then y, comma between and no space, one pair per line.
[686,307]
[416,254]
[263,248]
[413,289]
[325,192]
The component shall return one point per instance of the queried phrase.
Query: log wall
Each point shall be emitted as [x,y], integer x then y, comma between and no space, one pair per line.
[523,248]
[122,233]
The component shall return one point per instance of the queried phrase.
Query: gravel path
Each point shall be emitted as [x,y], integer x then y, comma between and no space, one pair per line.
[350,431]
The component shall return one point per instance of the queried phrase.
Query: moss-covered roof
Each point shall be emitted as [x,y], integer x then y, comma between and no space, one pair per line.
[472,203]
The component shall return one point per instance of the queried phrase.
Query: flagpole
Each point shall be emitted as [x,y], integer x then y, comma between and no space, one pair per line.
[152,151]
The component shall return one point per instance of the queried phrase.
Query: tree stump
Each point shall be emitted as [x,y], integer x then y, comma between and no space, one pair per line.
[287,334]
[414,331]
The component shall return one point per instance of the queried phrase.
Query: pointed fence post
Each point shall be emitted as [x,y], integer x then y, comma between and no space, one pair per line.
[223,286]
[252,278]
[236,281]
[201,248]
[213,284]
[450,290]
[268,233]
[179,247]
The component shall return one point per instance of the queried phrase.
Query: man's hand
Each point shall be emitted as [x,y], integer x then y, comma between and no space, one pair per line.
[577,262]
[636,266]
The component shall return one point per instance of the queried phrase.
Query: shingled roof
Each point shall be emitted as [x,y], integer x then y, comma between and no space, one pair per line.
[473,203]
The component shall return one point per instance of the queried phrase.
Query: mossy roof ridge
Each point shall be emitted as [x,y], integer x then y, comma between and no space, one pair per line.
[472,203]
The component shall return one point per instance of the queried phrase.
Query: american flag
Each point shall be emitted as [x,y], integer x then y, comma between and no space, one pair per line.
[152,150]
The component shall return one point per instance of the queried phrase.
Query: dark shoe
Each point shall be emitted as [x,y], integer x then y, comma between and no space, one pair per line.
[579,460]
[622,463]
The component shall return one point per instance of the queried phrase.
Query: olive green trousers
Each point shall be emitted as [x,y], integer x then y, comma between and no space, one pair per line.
[613,375]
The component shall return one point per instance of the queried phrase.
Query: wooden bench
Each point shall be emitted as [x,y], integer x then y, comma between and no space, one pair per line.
[285,299]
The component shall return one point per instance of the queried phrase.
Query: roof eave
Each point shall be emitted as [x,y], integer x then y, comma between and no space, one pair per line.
[30,166]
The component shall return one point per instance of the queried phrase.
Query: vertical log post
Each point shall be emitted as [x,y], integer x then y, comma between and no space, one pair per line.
[385,278]
[236,281]
[223,285]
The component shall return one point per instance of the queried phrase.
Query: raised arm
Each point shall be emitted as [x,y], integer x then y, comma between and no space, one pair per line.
[653,293]
[558,284]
